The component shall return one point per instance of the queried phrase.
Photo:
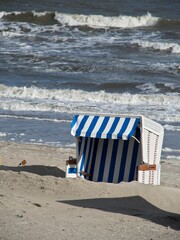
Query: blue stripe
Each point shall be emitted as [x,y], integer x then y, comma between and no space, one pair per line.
[103,160]
[96,140]
[81,125]
[74,121]
[123,160]
[123,128]
[72,170]
[134,128]
[103,126]
[113,160]
[83,154]
[91,127]
[134,160]
[113,127]
[85,118]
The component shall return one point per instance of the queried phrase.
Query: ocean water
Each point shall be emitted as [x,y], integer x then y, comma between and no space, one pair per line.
[58,58]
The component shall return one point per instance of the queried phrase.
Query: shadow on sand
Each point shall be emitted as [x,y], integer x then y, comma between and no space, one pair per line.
[133,206]
[36,169]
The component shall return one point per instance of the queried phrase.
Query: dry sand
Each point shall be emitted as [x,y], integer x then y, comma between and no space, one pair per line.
[38,202]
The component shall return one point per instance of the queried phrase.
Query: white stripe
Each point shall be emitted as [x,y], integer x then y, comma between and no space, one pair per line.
[98,160]
[108,159]
[128,129]
[128,160]
[97,126]
[76,125]
[87,152]
[81,156]
[139,160]
[108,127]
[118,161]
[86,125]
[118,127]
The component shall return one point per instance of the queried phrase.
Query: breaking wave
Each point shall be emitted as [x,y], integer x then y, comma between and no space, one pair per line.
[44,18]
[71,95]
[93,21]
[98,21]
[159,46]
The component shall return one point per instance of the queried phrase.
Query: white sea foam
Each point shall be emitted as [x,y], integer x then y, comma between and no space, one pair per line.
[166,149]
[33,118]
[148,87]
[72,145]
[10,34]
[173,157]
[39,14]
[81,96]
[2,134]
[171,128]
[98,21]
[2,14]
[160,46]
[173,154]
[161,107]
[171,85]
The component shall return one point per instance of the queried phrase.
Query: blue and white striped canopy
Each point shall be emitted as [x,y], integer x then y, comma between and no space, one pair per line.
[106,127]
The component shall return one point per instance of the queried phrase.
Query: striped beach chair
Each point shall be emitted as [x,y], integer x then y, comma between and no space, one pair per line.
[110,148]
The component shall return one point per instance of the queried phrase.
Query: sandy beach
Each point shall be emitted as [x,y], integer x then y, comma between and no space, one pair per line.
[38,202]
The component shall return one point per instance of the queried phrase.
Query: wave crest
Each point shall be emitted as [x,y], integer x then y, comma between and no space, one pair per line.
[160,46]
[41,18]
[72,95]
[99,21]
[162,107]
[93,21]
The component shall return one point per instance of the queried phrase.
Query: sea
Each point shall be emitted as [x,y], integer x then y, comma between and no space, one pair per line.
[62,57]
